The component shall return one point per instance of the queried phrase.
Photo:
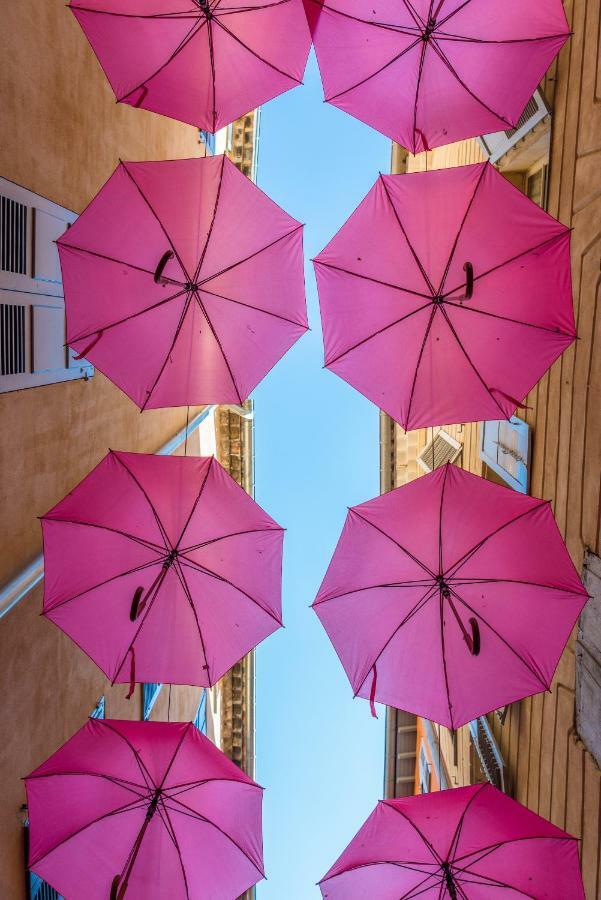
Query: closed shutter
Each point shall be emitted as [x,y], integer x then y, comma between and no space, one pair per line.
[32,311]
[497,145]
[440,450]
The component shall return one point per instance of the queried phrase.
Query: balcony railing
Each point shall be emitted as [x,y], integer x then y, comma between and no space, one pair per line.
[488,752]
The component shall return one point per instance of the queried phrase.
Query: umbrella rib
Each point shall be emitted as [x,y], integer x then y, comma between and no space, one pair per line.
[81,337]
[130,807]
[213,79]
[390,62]
[371,587]
[440,553]
[417,87]
[452,571]
[501,638]
[492,882]
[444,660]
[472,366]
[485,851]
[444,36]
[233,10]
[121,262]
[196,502]
[377,333]
[266,62]
[120,782]
[193,814]
[159,223]
[184,560]
[249,257]
[188,594]
[173,836]
[507,262]
[194,30]
[220,346]
[150,545]
[178,329]
[385,862]
[414,892]
[414,14]
[423,601]
[457,834]
[396,543]
[483,312]
[160,526]
[417,364]
[203,253]
[443,58]
[143,770]
[454,13]
[413,253]
[95,587]
[396,287]
[185,14]
[250,306]
[224,536]
[190,785]
[185,733]
[415,828]
[548,587]
[409,30]
[460,229]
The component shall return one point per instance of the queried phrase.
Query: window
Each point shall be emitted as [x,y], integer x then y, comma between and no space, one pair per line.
[536,186]
[440,450]
[588,660]
[497,145]
[200,720]
[150,693]
[98,711]
[208,140]
[505,448]
[488,753]
[32,314]
[424,772]
[39,890]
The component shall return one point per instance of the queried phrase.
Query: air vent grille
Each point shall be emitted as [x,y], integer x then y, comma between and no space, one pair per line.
[530,111]
[443,449]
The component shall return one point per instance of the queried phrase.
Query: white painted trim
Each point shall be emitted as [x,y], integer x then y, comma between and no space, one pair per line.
[32,574]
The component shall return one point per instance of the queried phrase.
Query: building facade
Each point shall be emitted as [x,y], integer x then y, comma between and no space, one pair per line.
[546,750]
[62,136]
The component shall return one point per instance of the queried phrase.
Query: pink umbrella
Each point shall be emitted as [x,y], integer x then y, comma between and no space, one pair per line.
[162,569]
[470,843]
[450,596]
[429,72]
[205,62]
[446,296]
[183,282]
[146,810]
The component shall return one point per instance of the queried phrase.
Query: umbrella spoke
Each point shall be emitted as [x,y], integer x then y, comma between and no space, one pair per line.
[196,502]
[378,333]
[258,309]
[459,231]
[409,30]
[171,832]
[417,87]
[396,287]
[186,561]
[144,493]
[266,62]
[486,851]
[396,543]
[219,345]
[233,10]
[149,545]
[178,329]
[203,252]
[131,786]
[493,315]
[175,789]
[457,834]
[141,312]
[417,364]
[409,244]
[112,259]
[421,834]
[548,587]
[100,584]
[186,591]
[143,769]
[223,537]
[373,587]
[252,255]
[383,68]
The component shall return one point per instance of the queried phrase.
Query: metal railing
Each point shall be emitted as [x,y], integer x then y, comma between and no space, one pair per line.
[488,752]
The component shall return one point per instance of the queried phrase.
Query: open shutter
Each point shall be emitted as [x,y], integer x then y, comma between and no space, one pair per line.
[497,145]
[440,450]
[505,448]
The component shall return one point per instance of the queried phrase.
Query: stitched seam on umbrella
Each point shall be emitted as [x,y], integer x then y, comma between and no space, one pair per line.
[104,723]
[178,329]
[173,835]
[114,779]
[396,287]
[492,882]
[384,862]
[330,362]
[254,53]
[408,30]
[372,587]
[458,564]
[149,545]
[440,553]
[255,308]
[506,262]
[421,603]
[196,29]
[143,617]
[161,528]
[461,226]
[417,87]
[184,560]
[396,543]
[501,638]
[441,55]
[492,315]
[203,252]
[444,658]
[50,609]
[219,344]
[196,502]
[474,369]
[135,315]
[429,284]
[188,594]
[189,811]
[430,846]
[152,210]
[417,365]
[468,582]
[443,36]
[63,243]
[185,14]
[191,785]
[457,833]
[492,847]
[247,258]
[391,62]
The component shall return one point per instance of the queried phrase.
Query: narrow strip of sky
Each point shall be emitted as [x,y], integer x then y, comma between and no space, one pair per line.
[319,754]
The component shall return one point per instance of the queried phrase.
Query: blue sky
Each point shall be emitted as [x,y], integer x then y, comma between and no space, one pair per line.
[319,753]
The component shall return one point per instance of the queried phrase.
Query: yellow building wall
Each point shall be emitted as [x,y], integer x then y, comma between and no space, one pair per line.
[548,766]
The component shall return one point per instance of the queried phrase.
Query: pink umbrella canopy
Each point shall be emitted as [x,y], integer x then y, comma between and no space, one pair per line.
[162,569]
[429,72]
[470,843]
[205,62]
[147,810]
[450,596]
[183,282]
[446,296]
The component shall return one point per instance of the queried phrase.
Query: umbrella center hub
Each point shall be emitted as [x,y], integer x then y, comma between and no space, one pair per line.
[191,286]
[449,880]
[154,802]
[430,27]
[170,558]
[204,5]
[438,300]
[443,586]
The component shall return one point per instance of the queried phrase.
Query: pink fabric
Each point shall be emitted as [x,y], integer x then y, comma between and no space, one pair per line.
[428,73]
[205,65]
[413,566]
[392,288]
[91,816]
[226,306]
[201,609]
[472,842]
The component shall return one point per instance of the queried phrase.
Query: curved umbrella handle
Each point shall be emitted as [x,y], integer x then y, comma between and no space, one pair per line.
[115,888]
[469,280]
[133,612]
[161,265]
[474,644]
